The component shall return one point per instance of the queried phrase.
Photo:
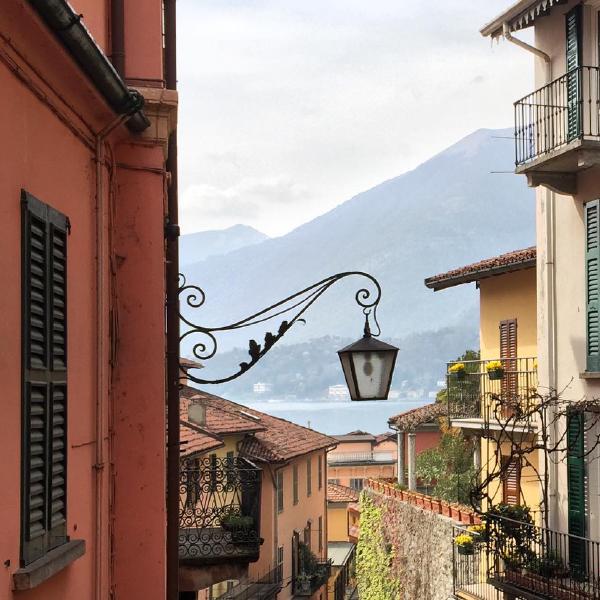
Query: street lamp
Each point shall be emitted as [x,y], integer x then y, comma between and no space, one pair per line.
[368,364]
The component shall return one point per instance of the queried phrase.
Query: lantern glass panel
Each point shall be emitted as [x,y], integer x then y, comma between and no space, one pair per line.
[373,371]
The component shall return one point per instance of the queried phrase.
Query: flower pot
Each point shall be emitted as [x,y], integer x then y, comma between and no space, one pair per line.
[466,550]
[459,375]
[496,374]
[445,509]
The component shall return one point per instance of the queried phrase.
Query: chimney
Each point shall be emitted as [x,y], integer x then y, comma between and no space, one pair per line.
[197,411]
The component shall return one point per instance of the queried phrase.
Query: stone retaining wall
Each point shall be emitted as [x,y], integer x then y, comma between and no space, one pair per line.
[421,540]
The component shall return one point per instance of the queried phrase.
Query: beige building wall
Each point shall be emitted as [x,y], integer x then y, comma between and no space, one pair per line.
[337,521]
[508,296]
[561,308]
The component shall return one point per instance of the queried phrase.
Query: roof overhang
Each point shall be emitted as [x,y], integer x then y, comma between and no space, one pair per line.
[519,16]
[479,275]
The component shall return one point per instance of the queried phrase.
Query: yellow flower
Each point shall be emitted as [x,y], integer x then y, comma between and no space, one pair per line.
[476,529]
[463,539]
[456,368]
[493,365]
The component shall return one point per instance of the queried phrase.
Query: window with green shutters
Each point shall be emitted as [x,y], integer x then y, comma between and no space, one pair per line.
[573,62]
[44,378]
[592,265]
[576,482]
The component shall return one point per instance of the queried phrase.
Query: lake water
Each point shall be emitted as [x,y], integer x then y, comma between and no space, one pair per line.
[336,418]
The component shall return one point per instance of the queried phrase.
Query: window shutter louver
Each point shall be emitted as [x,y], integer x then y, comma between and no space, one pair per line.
[577,489]
[511,488]
[508,354]
[573,62]
[592,265]
[44,388]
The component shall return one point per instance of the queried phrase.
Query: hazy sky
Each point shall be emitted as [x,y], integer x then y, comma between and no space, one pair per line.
[290,107]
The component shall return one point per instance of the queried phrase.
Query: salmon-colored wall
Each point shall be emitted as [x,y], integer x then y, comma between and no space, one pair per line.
[50,152]
[295,517]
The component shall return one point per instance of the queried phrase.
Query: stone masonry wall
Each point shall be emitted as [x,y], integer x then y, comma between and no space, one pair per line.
[420,542]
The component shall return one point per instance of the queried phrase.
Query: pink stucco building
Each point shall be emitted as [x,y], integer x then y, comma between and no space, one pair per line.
[82,360]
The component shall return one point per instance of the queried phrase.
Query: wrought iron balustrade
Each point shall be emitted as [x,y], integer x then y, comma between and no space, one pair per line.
[219,514]
[476,394]
[565,110]
[529,560]
[470,570]
[334,458]
[310,569]
[265,587]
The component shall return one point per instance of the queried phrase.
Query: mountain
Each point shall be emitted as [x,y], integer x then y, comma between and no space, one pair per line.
[196,247]
[450,211]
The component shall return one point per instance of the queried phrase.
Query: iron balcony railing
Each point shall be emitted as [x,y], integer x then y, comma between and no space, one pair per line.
[219,516]
[495,397]
[360,457]
[264,587]
[565,110]
[310,567]
[534,562]
[470,570]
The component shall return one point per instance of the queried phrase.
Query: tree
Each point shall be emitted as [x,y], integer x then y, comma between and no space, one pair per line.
[448,468]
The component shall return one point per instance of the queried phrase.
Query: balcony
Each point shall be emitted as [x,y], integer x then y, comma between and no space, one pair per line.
[361,458]
[310,572]
[219,516]
[530,561]
[557,130]
[491,400]
[260,588]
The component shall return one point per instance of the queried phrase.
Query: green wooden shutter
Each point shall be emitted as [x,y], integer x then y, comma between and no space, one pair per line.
[592,266]
[576,489]
[573,62]
[44,370]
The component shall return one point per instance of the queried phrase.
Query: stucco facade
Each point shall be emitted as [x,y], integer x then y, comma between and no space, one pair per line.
[115,424]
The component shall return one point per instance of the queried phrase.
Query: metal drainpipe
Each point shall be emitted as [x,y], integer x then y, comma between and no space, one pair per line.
[101,363]
[172,318]
[550,226]
[117,36]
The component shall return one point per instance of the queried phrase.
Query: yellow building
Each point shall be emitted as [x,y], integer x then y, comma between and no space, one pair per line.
[498,404]
[253,516]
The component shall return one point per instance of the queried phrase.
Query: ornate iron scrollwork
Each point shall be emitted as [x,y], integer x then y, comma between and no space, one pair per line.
[219,513]
[295,305]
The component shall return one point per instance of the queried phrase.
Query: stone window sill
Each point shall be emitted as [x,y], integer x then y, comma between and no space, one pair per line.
[53,562]
[590,375]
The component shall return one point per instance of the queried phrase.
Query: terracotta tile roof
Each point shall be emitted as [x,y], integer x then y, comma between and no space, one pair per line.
[341,493]
[219,419]
[272,439]
[505,263]
[193,439]
[385,437]
[411,419]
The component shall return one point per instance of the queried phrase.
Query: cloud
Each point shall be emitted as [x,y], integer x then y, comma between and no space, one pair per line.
[251,201]
[329,98]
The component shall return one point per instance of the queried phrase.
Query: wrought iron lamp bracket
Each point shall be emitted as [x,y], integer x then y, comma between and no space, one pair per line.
[295,306]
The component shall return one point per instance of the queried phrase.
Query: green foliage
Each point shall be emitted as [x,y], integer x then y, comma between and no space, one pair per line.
[374,556]
[448,468]
[468,355]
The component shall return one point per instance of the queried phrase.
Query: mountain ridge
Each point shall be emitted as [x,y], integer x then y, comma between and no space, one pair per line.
[448,211]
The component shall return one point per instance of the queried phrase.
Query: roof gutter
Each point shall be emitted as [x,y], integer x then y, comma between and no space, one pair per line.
[525,46]
[443,284]
[67,26]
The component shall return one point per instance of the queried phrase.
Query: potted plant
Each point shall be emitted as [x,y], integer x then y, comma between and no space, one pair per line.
[479,533]
[495,369]
[457,370]
[303,585]
[465,544]
[239,526]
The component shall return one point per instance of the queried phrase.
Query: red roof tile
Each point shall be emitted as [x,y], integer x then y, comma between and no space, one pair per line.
[273,439]
[193,439]
[505,263]
[341,493]
[411,419]
[219,420]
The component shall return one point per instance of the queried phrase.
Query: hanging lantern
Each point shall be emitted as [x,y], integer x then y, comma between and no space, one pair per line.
[368,366]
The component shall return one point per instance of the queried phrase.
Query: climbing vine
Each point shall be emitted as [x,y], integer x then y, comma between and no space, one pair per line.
[374,556]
